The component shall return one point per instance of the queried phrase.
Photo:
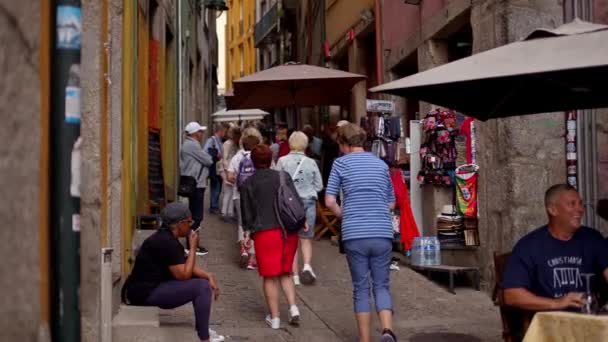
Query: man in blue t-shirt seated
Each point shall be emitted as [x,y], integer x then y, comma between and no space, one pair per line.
[545,270]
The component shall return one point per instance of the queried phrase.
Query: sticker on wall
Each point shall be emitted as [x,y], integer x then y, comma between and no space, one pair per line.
[76,222]
[572,181]
[69,27]
[72,95]
[75,169]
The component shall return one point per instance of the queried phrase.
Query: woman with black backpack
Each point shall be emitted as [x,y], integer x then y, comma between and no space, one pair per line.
[275,239]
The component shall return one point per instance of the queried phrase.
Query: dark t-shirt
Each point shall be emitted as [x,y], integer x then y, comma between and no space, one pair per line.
[157,253]
[552,268]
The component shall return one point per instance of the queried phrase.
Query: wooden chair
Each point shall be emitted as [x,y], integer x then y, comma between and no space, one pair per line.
[515,322]
[326,221]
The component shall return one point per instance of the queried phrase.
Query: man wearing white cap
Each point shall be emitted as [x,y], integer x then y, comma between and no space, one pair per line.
[195,162]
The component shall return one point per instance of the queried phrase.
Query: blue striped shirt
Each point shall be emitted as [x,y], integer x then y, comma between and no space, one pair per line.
[367,190]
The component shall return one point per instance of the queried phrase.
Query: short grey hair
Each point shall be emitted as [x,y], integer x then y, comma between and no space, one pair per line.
[298,141]
[555,190]
[250,131]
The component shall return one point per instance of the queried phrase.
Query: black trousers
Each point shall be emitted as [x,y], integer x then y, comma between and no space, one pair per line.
[195,204]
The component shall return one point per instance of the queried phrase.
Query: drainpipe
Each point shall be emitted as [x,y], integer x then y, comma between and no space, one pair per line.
[65,169]
[379,60]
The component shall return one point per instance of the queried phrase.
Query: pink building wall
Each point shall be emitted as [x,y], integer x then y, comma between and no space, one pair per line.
[401,21]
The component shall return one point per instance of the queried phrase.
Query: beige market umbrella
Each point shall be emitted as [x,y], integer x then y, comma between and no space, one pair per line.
[551,70]
[293,85]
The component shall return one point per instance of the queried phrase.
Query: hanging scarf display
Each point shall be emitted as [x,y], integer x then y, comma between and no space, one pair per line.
[407,224]
[466,190]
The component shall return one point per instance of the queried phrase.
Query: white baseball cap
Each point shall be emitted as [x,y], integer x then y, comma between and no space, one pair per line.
[342,123]
[194,127]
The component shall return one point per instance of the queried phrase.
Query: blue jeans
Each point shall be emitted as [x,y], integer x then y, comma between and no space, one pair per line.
[215,183]
[370,257]
[311,216]
[174,293]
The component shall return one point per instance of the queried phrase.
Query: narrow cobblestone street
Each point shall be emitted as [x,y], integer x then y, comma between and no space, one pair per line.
[424,311]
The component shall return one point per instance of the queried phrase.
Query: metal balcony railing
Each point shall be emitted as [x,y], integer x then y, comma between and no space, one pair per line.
[268,23]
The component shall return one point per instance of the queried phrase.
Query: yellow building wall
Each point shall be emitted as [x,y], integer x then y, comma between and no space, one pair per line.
[240,47]
[341,15]
[142,111]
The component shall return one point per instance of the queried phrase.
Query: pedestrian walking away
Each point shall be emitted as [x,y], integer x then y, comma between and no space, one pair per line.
[164,277]
[239,169]
[307,180]
[229,150]
[275,247]
[194,161]
[367,231]
[213,147]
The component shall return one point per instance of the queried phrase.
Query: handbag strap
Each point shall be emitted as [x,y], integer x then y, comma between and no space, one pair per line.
[293,177]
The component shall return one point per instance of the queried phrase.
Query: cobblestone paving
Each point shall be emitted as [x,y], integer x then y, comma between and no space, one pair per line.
[424,311]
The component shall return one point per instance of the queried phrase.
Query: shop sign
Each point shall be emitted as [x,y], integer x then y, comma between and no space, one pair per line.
[380,106]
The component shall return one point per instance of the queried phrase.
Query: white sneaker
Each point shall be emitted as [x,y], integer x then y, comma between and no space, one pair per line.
[273,323]
[308,276]
[296,280]
[294,315]
[214,337]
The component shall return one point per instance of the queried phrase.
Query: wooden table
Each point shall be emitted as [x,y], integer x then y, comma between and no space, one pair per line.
[566,327]
[451,270]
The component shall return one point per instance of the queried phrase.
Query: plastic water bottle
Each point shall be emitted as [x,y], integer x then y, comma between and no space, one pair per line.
[417,251]
[437,251]
[429,251]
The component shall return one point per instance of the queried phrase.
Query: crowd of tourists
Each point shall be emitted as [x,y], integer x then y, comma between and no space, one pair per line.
[268,187]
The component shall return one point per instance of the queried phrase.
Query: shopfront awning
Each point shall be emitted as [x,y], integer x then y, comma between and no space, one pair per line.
[551,70]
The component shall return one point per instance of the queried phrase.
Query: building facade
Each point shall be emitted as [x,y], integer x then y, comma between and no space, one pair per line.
[352,44]
[240,48]
[519,158]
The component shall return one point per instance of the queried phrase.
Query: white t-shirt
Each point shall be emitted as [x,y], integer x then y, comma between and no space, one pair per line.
[234,167]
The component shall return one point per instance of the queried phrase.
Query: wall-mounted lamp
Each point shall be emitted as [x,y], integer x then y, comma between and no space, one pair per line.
[412,2]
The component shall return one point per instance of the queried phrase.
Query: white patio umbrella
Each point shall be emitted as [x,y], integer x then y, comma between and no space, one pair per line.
[238,115]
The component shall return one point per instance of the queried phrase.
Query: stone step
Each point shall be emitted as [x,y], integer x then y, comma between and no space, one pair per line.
[129,315]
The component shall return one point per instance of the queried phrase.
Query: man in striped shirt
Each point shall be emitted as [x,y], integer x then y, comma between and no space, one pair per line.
[367,231]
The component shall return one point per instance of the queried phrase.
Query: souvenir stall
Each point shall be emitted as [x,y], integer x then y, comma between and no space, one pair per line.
[448,160]
[386,141]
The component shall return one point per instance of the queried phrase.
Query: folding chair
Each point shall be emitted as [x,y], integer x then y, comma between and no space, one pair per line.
[326,221]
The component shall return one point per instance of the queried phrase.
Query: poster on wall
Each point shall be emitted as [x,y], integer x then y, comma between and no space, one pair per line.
[69,27]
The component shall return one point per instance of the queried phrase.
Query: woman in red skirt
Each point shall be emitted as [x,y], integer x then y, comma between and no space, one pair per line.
[275,250]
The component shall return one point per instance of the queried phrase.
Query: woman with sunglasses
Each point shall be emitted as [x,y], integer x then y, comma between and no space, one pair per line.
[164,277]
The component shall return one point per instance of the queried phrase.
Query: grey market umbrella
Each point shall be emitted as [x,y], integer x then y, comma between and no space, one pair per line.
[294,85]
[551,70]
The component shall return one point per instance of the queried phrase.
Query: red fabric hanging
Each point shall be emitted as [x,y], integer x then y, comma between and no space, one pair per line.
[407,223]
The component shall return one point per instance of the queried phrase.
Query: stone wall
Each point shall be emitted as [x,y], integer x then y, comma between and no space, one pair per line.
[20,153]
[519,157]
